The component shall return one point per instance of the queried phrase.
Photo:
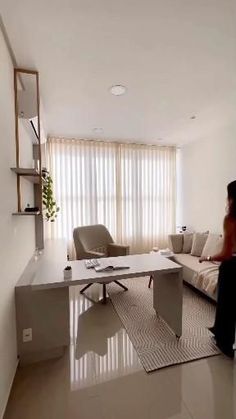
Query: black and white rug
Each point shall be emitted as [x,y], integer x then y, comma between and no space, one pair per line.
[155,343]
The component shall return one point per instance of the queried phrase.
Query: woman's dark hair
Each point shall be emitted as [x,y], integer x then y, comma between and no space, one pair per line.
[231,188]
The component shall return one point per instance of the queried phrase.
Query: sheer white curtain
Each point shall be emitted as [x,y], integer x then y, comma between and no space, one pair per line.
[130,188]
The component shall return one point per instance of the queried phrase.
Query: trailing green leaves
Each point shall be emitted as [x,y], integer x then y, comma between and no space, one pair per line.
[49,203]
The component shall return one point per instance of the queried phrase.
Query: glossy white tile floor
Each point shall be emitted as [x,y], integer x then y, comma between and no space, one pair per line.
[100,377]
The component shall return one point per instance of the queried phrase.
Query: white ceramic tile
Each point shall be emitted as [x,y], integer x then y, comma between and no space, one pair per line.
[101,377]
[208,388]
[101,337]
[140,396]
[82,407]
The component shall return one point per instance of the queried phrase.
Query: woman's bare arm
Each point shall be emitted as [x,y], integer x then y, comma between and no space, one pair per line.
[227,250]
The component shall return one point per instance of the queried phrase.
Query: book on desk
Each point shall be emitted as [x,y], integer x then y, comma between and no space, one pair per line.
[109,268]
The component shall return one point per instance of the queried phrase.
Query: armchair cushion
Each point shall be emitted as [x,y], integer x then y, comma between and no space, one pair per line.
[117,249]
[90,254]
[90,239]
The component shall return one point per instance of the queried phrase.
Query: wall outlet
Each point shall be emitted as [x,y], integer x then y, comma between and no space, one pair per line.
[27,335]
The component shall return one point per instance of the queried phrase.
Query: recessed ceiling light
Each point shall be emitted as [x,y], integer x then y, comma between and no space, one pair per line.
[118,90]
[98,130]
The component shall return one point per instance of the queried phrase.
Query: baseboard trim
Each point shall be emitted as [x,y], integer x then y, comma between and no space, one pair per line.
[9,391]
[38,356]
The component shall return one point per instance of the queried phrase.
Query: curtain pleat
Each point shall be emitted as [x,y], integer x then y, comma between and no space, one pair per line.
[130,188]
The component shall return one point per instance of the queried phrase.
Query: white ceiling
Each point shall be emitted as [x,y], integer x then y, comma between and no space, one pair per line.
[177,58]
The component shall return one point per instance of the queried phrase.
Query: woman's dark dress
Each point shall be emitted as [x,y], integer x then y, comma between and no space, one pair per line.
[225,320]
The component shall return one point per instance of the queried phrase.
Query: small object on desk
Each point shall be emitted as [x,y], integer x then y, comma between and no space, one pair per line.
[155,249]
[109,268]
[67,272]
[91,263]
[165,252]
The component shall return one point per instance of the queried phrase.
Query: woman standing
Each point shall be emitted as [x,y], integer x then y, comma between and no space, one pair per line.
[225,320]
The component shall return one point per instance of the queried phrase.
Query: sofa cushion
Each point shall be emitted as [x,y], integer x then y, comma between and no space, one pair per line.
[199,240]
[191,262]
[213,245]
[176,242]
[188,241]
[195,273]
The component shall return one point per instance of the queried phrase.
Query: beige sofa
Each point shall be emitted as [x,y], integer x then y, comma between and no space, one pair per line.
[202,276]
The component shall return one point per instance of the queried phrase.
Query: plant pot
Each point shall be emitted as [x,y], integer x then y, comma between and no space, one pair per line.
[67,273]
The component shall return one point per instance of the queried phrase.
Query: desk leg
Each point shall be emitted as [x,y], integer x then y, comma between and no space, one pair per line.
[46,312]
[168,299]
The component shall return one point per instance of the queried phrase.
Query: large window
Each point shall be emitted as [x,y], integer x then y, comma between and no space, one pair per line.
[128,187]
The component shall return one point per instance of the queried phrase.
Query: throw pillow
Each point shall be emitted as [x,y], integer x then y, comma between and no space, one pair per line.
[199,241]
[213,245]
[176,242]
[188,241]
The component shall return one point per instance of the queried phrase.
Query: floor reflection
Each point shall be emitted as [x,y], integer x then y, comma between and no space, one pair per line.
[224,398]
[100,347]
[102,377]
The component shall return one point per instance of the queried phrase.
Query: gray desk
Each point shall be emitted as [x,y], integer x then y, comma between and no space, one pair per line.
[42,296]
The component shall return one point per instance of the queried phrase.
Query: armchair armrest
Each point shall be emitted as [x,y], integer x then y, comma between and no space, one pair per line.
[92,254]
[117,249]
[176,242]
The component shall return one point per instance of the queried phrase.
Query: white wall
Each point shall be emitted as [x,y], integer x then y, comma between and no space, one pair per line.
[207,167]
[16,233]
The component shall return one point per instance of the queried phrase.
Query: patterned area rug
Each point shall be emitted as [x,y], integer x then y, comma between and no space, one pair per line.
[155,343]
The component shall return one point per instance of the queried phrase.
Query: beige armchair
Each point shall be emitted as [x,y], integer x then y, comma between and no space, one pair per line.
[95,241]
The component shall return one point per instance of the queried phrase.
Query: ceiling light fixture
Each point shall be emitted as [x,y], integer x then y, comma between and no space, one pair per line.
[118,90]
[98,130]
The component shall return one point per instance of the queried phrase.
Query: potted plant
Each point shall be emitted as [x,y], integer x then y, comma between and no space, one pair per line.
[49,202]
[67,272]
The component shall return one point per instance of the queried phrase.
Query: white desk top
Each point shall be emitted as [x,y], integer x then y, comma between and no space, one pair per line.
[47,271]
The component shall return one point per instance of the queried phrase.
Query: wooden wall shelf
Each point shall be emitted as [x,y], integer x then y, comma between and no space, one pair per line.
[25,171]
[26,213]
[30,174]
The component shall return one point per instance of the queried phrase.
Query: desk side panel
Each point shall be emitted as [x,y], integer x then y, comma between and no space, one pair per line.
[46,312]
